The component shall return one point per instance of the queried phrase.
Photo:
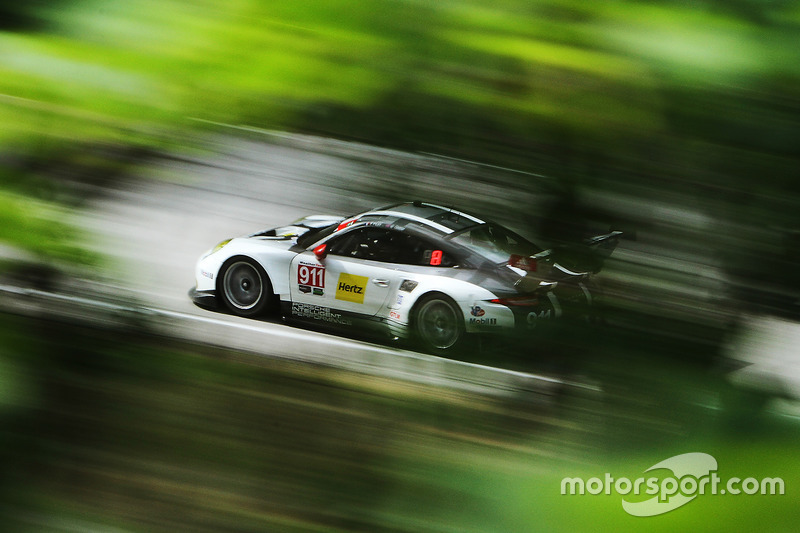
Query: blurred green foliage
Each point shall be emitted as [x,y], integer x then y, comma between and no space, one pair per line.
[539,77]
[43,229]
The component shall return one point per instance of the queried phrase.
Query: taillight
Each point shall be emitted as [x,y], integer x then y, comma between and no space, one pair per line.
[527,264]
[520,301]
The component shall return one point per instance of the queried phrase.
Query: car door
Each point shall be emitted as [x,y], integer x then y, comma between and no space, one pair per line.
[356,276]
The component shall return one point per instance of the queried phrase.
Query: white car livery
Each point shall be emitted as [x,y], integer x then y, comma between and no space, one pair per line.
[416,270]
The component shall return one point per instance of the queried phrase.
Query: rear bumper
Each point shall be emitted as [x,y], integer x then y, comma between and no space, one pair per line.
[487,316]
[532,317]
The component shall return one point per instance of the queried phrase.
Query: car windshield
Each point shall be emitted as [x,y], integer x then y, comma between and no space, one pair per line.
[494,242]
[313,235]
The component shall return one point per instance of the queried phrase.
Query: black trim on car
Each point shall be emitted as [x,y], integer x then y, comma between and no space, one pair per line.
[204,298]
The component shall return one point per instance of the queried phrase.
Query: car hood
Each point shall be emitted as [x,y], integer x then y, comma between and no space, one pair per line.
[299,227]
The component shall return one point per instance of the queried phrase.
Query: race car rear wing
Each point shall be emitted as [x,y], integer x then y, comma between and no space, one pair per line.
[567,262]
[602,246]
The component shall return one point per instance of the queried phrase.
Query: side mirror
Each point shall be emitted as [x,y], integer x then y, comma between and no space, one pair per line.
[321,251]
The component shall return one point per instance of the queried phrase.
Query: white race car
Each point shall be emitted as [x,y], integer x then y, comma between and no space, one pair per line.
[415,269]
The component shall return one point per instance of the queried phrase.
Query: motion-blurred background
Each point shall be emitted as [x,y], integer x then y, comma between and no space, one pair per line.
[134,135]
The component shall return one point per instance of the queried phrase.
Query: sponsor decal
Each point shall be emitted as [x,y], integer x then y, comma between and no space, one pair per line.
[395,315]
[483,321]
[209,275]
[305,289]
[311,275]
[374,223]
[317,312]
[346,223]
[476,311]
[351,288]
[399,300]
[318,292]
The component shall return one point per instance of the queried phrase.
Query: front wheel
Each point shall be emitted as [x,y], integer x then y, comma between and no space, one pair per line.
[438,324]
[244,287]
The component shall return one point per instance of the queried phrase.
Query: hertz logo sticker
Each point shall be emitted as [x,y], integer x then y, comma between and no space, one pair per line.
[351,288]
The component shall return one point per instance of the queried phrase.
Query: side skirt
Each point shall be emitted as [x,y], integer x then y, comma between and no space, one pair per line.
[327,318]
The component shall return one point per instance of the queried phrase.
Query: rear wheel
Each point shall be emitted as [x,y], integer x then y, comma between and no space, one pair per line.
[244,287]
[438,324]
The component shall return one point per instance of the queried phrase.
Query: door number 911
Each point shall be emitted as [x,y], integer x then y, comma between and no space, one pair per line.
[313,276]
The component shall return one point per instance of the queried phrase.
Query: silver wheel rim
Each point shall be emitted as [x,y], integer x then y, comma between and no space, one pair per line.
[438,324]
[242,285]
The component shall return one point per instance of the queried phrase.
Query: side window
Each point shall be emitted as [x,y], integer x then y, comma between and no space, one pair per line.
[345,244]
[389,246]
[374,244]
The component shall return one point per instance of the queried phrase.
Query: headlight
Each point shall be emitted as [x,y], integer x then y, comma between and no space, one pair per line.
[220,245]
[215,249]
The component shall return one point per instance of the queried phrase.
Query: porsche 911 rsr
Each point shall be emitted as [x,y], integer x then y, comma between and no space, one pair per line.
[416,270]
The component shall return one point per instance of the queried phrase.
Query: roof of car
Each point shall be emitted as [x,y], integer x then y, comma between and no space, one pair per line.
[443,220]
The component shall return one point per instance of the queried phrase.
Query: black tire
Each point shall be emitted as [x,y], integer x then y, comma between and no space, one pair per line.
[438,324]
[244,287]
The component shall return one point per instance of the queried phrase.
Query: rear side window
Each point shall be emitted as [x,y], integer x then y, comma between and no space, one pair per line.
[494,242]
[421,252]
